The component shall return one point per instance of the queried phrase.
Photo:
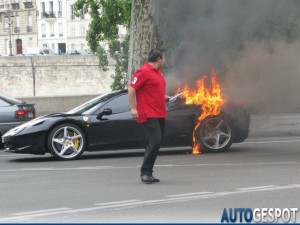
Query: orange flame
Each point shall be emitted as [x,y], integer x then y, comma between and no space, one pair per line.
[209,98]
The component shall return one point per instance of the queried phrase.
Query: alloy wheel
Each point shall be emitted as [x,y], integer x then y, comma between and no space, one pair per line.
[67,142]
[216,134]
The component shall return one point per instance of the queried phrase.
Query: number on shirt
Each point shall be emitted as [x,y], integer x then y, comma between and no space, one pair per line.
[134,80]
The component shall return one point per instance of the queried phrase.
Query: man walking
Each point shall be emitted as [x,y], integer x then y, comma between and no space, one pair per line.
[147,96]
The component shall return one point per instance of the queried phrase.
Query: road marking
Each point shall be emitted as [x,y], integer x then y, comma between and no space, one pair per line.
[134,167]
[91,167]
[256,188]
[40,211]
[188,194]
[118,202]
[38,169]
[138,203]
[266,142]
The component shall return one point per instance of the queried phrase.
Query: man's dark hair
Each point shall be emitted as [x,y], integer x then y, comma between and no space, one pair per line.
[154,55]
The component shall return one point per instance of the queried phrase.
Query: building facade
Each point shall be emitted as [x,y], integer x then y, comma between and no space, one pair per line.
[18,26]
[59,28]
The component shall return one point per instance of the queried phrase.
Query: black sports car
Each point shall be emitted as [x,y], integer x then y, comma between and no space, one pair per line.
[105,123]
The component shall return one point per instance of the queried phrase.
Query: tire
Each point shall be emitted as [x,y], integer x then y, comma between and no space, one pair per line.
[215,134]
[66,142]
[1,144]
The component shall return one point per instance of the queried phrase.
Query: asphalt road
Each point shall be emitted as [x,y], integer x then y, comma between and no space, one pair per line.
[102,187]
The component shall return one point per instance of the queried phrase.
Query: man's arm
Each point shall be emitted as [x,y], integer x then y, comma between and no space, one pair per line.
[132,101]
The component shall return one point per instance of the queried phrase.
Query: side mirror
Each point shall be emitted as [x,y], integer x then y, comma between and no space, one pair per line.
[104,112]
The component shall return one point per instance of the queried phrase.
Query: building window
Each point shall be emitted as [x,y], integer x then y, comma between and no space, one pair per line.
[7,49]
[15,4]
[29,23]
[53,47]
[59,9]
[43,9]
[30,40]
[51,6]
[72,13]
[83,31]
[29,20]
[51,29]
[28,4]
[7,21]
[72,31]
[82,16]
[60,30]
[17,26]
[43,30]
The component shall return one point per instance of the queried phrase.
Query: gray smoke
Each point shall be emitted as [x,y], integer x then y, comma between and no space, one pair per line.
[252,44]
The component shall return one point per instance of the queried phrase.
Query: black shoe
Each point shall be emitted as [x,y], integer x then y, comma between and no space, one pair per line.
[148,179]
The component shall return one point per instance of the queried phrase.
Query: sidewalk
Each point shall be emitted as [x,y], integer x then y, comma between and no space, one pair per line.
[275,125]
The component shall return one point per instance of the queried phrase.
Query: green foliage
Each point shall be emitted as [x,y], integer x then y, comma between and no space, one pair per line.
[119,52]
[107,16]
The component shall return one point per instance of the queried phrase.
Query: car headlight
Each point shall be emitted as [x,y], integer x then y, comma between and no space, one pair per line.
[21,127]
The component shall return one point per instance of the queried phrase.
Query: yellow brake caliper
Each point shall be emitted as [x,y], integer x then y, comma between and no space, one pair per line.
[76,141]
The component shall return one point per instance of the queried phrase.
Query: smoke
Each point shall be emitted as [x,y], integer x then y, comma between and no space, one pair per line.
[253,45]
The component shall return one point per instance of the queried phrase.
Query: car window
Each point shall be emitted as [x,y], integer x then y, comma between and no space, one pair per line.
[3,103]
[118,105]
[10,100]
[93,104]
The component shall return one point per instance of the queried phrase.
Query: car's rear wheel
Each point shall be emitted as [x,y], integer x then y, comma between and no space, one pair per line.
[1,144]
[66,142]
[215,134]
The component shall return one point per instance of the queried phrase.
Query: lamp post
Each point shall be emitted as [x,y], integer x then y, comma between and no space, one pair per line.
[9,20]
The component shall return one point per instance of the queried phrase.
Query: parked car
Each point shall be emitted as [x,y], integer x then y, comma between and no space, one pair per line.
[73,52]
[32,51]
[105,123]
[14,112]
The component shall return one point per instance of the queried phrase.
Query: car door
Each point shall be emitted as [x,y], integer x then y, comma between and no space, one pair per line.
[180,123]
[118,130]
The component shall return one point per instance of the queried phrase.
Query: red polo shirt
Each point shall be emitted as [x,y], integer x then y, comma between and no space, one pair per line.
[150,86]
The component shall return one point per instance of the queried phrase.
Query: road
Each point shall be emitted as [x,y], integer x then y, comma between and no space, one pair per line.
[103,187]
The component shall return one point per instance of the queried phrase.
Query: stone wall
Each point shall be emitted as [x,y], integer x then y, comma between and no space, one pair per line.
[64,75]
[46,105]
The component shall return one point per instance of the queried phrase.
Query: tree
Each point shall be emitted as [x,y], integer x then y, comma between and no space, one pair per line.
[143,33]
[107,17]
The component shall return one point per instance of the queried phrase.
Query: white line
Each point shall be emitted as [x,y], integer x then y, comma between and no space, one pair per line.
[134,167]
[188,194]
[40,211]
[167,165]
[137,203]
[114,203]
[255,188]
[92,168]
[37,169]
[247,164]
[266,142]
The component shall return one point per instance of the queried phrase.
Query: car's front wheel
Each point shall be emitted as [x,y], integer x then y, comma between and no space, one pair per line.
[66,142]
[215,134]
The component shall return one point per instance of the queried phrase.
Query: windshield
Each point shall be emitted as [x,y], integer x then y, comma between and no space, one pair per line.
[94,103]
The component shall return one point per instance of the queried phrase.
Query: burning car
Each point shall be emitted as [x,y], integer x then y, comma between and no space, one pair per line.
[105,123]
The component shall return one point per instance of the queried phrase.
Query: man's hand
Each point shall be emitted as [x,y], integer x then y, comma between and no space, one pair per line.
[167,98]
[131,97]
[134,113]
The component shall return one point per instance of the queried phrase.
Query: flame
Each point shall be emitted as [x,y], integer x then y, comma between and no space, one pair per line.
[210,100]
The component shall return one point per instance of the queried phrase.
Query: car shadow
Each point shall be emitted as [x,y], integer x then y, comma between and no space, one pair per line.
[102,155]
[111,154]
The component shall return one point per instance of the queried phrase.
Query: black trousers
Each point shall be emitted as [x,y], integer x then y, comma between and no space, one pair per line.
[155,129]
